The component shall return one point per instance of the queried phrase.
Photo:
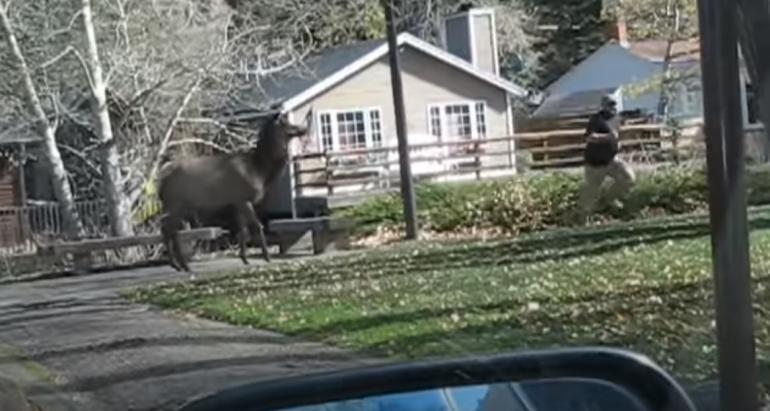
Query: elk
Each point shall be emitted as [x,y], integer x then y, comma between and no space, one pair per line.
[234,181]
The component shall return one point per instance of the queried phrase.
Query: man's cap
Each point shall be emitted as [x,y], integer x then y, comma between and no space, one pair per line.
[608,101]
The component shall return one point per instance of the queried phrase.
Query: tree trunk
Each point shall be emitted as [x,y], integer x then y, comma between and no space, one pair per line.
[664,103]
[754,25]
[117,203]
[58,174]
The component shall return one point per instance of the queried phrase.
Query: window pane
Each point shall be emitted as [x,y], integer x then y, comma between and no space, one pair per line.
[481,120]
[376,127]
[326,131]
[435,121]
[458,121]
[751,102]
[352,130]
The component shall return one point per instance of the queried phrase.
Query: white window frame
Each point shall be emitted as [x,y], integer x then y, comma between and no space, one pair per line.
[745,107]
[472,112]
[687,101]
[335,127]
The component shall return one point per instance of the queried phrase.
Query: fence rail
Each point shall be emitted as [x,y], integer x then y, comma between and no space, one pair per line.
[353,174]
[22,228]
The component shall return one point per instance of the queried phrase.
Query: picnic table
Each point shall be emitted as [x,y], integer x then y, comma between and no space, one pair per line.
[325,231]
[82,250]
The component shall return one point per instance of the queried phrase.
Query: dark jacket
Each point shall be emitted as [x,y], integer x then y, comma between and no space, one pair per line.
[601,153]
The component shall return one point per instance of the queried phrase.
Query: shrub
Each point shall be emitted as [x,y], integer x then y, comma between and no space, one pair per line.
[535,202]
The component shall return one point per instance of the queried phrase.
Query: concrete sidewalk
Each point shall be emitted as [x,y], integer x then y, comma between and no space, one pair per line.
[74,344]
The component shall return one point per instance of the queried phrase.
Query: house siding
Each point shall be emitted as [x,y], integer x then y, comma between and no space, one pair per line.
[426,81]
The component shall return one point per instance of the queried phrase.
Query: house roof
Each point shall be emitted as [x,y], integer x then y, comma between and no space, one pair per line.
[572,104]
[17,133]
[282,86]
[329,67]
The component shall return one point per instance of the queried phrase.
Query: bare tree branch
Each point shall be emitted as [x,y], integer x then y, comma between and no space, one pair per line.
[170,129]
[82,157]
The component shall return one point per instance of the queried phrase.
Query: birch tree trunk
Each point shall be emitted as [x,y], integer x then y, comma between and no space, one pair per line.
[118,207]
[57,172]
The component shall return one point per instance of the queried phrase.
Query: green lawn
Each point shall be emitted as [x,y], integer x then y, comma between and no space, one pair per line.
[644,286]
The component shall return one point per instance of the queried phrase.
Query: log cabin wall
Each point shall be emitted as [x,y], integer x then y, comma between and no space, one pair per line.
[10,223]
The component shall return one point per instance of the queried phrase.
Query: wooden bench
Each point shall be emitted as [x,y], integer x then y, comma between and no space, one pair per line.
[82,250]
[325,231]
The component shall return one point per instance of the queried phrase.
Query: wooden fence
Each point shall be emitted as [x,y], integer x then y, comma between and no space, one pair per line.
[21,228]
[346,177]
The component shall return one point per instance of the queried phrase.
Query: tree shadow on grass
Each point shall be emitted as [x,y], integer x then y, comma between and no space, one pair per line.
[603,297]
[502,254]
[138,342]
[180,368]
[657,327]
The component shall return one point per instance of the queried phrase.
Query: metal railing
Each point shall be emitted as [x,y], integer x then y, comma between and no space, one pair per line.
[22,228]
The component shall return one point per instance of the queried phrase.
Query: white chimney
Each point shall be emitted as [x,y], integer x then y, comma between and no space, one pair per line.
[471,35]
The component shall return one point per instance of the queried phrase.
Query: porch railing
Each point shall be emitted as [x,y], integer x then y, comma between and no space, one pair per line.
[22,228]
[346,177]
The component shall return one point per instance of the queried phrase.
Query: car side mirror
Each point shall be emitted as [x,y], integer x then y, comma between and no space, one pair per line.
[587,379]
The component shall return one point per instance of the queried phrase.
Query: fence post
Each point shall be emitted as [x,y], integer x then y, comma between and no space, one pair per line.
[477,160]
[328,172]
[387,168]
[296,171]
[675,145]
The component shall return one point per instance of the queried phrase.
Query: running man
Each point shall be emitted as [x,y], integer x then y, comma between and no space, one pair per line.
[601,159]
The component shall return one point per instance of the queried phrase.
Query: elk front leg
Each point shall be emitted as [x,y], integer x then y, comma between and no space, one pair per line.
[170,224]
[247,211]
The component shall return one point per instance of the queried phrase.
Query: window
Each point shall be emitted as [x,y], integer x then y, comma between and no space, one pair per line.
[458,121]
[692,102]
[685,102]
[326,131]
[374,121]
[752,109]
[435,121]
[350,129]
[481,120]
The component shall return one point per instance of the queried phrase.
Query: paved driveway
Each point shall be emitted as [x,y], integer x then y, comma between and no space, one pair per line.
[74,344]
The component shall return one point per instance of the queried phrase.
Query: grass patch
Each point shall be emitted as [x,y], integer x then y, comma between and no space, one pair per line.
[644,285]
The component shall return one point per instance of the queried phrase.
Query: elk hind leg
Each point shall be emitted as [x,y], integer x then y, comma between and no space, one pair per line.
[243,232]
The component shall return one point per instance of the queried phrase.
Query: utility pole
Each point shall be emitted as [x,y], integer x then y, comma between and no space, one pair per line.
[727,204]
[405,168]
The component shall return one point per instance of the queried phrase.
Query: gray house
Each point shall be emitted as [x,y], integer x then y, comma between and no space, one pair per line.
[451,93]
[622,68]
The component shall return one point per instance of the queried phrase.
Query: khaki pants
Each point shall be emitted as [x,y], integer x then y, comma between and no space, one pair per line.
[623,178]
